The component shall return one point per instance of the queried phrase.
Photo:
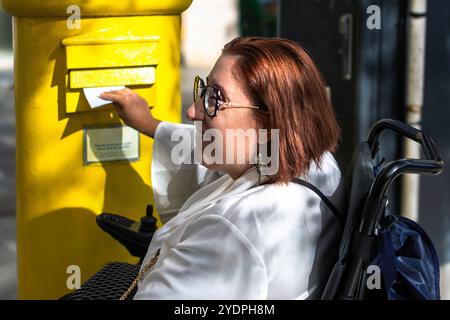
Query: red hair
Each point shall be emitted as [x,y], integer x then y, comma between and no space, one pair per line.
[278,74]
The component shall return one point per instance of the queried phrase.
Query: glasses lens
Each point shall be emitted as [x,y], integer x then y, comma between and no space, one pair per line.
[210,101]
[199,87]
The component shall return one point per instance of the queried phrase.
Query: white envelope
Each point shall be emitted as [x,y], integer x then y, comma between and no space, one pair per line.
[92,95]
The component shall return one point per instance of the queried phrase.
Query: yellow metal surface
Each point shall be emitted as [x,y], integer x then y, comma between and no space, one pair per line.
[97,8]
[111,77]
[58,197]
[108,55]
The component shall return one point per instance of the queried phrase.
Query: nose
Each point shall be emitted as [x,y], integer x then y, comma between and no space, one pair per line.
[195,112]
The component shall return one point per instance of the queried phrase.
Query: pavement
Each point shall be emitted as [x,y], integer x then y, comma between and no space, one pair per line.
[8,274]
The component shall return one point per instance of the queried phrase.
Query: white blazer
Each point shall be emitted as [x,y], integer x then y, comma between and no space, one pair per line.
[235,239]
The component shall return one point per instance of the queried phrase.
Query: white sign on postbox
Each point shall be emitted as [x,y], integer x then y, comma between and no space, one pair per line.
[114,143]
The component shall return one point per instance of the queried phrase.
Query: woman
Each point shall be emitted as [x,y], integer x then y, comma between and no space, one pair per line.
[232,232]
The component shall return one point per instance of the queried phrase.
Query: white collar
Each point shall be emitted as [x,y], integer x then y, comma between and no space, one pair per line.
[223,187]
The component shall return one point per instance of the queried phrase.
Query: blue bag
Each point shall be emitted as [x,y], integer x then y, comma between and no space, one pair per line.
[407,259]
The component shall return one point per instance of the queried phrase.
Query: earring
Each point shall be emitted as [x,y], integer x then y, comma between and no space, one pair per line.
[259,165]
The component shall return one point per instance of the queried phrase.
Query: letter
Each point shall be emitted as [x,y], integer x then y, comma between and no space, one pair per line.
[73,21]
[374,20]
[196,310]
[241,136]
[186,310]
[270,310]
[213,152]
[74,280]
[198,154]
[273,160]
[251,309]
[228,308]
[236,309]
[374,280]
[181,152]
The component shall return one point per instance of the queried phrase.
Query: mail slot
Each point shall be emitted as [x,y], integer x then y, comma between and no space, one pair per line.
[111,77]
[130,61]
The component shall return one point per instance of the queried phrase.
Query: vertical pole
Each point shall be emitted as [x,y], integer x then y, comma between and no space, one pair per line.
[416,34]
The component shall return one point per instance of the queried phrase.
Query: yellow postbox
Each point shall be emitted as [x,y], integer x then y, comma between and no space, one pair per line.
[73,161]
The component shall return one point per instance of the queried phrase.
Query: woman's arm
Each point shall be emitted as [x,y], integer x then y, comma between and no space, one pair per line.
[172,182]
[133,110]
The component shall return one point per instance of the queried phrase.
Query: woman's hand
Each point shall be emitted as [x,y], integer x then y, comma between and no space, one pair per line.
[133,110]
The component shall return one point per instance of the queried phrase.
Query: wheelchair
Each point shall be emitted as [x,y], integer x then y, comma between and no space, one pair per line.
[371,236]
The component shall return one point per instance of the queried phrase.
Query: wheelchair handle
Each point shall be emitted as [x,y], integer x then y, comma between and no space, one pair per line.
[432,165]
[427,144]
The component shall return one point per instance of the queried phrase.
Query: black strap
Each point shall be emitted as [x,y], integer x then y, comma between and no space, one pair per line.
[324,198]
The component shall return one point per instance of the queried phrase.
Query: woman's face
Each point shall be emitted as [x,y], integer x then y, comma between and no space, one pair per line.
[223,78]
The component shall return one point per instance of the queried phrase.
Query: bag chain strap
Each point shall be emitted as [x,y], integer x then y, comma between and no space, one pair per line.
[141,273]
